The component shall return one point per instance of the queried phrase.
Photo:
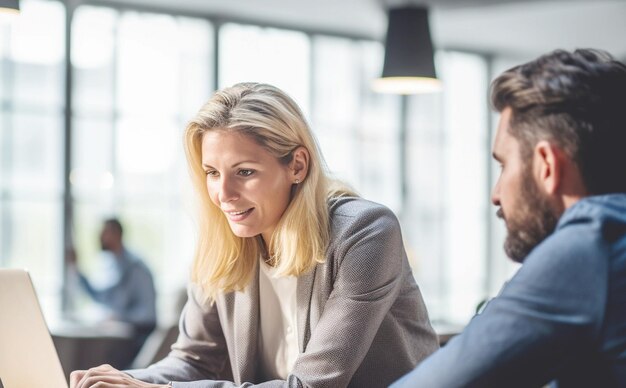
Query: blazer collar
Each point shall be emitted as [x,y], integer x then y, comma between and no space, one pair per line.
[246,328]
[305,299]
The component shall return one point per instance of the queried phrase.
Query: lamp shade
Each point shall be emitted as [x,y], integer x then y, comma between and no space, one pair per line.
[409,65]
[9,5]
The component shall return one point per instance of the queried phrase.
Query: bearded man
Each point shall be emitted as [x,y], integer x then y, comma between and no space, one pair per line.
[561,145]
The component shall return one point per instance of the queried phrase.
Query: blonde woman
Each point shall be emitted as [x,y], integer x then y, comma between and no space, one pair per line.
[296,281]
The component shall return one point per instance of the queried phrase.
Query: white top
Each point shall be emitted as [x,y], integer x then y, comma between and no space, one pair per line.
[278,340]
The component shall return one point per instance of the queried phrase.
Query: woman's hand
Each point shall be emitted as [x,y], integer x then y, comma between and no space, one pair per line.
[105,376]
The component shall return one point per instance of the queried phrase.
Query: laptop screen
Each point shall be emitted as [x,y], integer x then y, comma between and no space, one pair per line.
[27,357]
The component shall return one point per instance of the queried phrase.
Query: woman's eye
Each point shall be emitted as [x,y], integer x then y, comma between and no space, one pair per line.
[245,172]
[211,173]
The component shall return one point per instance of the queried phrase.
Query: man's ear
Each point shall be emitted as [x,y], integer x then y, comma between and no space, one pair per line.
[299,164]
[548,164]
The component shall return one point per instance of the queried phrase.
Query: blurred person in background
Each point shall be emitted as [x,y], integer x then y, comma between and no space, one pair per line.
[122,284]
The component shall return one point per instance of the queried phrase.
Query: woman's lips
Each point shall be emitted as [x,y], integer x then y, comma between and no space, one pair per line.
[240,215]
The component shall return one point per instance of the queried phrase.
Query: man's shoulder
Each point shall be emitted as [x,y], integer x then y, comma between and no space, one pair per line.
[135,262]
[594,212]
[586,231]
[572,247]
[575,256]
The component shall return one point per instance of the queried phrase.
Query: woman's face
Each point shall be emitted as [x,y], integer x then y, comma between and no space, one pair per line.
[246,182]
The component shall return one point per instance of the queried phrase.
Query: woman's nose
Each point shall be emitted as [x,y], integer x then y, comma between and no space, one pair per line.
[228,191]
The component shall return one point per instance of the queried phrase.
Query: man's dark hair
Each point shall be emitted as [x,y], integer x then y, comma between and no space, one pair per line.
[577,100]
[115,224]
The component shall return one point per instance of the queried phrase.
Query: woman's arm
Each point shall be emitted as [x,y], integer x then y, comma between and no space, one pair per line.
[200,351]
[370,266]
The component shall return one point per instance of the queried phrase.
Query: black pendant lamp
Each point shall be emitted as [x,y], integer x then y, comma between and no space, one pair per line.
[9,6]
[409,66]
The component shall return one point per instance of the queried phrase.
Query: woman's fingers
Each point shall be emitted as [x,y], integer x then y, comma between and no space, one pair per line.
[87,378]
[105,376]
[75,377]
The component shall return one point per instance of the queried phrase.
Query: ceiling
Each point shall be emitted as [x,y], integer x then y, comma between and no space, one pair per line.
[509,28]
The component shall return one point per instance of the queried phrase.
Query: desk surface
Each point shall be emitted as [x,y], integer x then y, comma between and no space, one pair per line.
[82,346]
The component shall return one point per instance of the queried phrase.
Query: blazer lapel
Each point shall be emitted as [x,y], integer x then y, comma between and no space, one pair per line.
[305,299]
[246,327]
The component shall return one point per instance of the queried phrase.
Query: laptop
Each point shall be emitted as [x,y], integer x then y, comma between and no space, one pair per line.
[28,358]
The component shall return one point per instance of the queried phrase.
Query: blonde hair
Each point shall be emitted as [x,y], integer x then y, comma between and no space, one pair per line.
[223,261]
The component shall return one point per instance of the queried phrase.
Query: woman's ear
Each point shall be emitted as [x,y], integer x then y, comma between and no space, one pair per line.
[299,164]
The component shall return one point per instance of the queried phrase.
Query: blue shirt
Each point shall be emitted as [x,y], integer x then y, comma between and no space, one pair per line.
[132,297]
[561,318]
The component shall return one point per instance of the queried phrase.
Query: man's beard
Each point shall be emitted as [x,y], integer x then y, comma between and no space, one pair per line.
[531,223]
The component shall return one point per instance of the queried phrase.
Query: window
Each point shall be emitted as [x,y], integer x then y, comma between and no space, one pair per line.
[269,55]
[358,129]
[446,218]
[31,144]
[139,78]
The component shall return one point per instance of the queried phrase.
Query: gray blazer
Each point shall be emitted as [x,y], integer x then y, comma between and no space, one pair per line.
[361,318]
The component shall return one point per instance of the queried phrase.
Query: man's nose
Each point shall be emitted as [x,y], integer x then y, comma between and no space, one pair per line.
[495,194]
